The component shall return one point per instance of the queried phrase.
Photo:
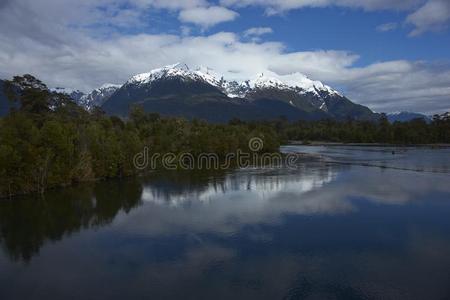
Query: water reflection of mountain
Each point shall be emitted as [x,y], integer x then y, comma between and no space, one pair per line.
[26,224]
[175,190]
[325,231]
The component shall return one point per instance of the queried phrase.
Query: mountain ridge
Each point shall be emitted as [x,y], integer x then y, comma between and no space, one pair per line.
[201,92]
[307,99]
[295,82]
[94,98]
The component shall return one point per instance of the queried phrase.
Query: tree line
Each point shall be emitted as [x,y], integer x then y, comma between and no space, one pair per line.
[414,132]
[48,141]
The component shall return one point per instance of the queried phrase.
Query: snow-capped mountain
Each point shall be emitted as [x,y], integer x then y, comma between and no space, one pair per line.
[95,98]
[178,90]
[444,116]
[296,83]
[98,96]
[75,94]
[177,70]
[201,92]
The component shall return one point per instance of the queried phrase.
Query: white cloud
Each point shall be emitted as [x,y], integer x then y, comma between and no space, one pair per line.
[258,31]
[434,15]
[56,45]
[207,16]
[277,6]
[426,15]
[170,4]
[387,27]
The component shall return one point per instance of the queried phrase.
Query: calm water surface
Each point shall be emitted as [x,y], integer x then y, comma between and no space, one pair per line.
[352,223]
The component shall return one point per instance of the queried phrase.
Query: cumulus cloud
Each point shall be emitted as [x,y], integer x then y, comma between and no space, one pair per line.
[434,15]
[60,47]
[207,16]
[387,27]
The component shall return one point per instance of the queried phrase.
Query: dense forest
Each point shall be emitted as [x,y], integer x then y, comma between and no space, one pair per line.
[48,141]
[414,132]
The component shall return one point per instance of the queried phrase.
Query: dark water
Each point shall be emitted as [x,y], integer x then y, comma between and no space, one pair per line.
[357,223]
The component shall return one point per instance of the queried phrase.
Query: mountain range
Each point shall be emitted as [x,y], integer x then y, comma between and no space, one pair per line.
[95,98]
[178,90]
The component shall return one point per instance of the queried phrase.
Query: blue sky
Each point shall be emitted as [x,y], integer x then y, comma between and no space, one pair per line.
[389,55]
[323,28]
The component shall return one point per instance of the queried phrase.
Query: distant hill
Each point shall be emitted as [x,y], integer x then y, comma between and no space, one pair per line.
[406,117]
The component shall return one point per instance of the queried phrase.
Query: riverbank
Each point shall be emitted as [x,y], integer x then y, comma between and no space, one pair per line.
[329,144]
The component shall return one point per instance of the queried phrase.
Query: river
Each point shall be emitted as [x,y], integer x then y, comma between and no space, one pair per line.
[346,223]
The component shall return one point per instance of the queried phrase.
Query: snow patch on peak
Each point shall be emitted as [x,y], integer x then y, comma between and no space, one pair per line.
[266,80]
[63,90]
[296,82]
[301,81]
[209,75]
[74,94]
[109,86]
[396,113]
[98,96]
[180,70]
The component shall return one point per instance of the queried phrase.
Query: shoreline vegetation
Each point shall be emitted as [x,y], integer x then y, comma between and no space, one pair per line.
[48,141]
